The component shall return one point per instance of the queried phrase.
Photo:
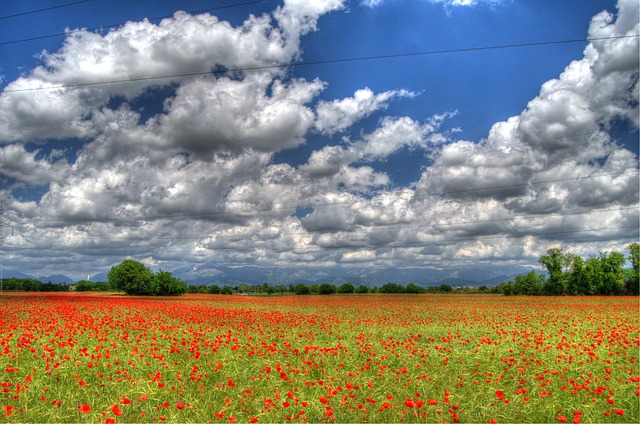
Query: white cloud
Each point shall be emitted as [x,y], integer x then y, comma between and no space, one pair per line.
[206,161]
[339,115]
[16,162]
[209,115]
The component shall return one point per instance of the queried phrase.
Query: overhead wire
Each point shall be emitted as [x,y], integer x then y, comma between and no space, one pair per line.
[311,63]
[342,60]
[44,9]
[102,27]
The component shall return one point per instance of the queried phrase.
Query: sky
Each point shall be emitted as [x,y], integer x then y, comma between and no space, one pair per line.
[324,133]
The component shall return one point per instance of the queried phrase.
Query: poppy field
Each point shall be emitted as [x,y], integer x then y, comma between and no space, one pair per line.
[83,357]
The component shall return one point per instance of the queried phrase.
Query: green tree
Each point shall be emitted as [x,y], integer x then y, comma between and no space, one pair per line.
[632,280]
[577,281]
[102,286]
[554,261]
[412,288]
[506,288]
[593,275]
[391,288]
[445,288]
[84,286]
[165,284]
[362,289]
[301,289]
[527,284]
[131,277]
[346,288]
[326,288]
[226,290]
[213,289]
[613,277]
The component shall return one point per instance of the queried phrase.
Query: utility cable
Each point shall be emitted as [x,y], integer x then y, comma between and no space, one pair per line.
[315,62]
[44,9]
[60,34]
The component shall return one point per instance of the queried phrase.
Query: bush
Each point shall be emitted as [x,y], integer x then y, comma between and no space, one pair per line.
[164,284]
[391,288]
[326,288]
[132,277]
[362,289]
[346,288]
[301,289]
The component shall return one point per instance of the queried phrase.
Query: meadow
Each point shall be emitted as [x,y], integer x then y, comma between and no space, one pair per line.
[86,357]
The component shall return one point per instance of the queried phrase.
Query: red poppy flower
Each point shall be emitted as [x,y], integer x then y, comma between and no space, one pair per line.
[84,408]
[116,410]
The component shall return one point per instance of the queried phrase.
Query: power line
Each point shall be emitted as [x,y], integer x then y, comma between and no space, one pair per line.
[315,205]
[317,62]
[44,9]
[61,34]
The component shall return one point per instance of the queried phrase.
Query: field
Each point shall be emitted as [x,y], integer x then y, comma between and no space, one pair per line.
[351,358]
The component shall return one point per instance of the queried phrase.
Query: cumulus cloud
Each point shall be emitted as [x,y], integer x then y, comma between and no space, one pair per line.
[24,166]
[197,180]
[208,115]
[338,115]
[445,3]
[391,135]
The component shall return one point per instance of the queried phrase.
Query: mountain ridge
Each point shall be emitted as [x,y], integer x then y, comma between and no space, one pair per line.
[209,274]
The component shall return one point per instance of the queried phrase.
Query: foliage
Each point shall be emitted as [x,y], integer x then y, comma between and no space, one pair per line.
[569,274]
[301,289]
[412,288]
[164,284]
[133,278]
[31,285]
[391,288]
[326,288]
[362,289]
[346,288]
[213,289]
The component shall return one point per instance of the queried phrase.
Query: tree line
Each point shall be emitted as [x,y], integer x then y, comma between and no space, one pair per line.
[570,274]
[328,288]
[133,278]
[31,285]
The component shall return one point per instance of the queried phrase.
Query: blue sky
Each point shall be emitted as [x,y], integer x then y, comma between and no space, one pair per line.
[458,155]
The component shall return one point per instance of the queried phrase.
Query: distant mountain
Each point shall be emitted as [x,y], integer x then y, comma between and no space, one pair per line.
[223,275]
[209,274]
[15,274]
[101,277]
[56,279]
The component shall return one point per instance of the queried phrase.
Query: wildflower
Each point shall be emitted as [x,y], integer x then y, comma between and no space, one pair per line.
[84,408]
[8,410]
[116,410]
